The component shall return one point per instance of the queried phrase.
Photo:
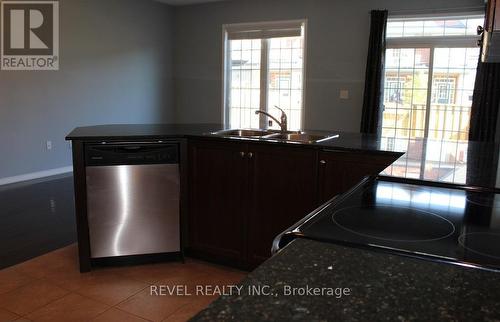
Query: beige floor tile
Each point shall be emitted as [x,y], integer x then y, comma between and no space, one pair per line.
[115,315]
[185,277]
[201,280]
[73,307]
[154,308]
[51,288]
[31,297]
[188,311]
[6,316]
[213,268]
[70,252]
[10,279]
[111,290]
[42,266]
[152,273]
[73,280]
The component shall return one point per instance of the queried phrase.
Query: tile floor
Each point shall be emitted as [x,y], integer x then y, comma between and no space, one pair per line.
[50,288]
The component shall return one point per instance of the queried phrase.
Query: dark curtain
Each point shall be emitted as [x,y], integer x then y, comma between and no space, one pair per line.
[485,103]
[482,164]
[372,103]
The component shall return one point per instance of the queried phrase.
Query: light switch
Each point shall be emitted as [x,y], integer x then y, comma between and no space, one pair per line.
[344,94]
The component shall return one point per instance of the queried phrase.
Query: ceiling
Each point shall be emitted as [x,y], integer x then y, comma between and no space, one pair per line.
[186,2]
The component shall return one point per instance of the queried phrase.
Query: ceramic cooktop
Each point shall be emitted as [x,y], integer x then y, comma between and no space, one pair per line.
[438,223]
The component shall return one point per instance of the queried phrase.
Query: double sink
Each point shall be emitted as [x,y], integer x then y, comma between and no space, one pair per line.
[287,136]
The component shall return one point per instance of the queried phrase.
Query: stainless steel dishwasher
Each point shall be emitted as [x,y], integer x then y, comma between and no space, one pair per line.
[133,198]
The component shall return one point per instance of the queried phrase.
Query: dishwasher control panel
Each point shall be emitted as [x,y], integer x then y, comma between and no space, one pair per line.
[131,154]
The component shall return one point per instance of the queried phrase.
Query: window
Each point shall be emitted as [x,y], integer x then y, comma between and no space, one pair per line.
[430,71]
[264,67]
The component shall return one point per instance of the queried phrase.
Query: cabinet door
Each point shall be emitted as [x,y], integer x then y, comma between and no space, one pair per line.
[339,171]
[217,189]
[283,190]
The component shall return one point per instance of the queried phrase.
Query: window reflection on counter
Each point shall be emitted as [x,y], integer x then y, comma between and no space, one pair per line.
[444,161]
[452,201]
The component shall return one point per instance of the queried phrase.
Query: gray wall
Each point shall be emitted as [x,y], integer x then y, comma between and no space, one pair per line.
[338,33]
[115,67]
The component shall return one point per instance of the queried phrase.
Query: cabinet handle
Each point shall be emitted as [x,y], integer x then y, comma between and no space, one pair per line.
[250,155]
[323,162]
[242,154]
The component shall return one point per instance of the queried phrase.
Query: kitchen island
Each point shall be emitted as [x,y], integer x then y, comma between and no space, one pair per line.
[237,193]
[235,189]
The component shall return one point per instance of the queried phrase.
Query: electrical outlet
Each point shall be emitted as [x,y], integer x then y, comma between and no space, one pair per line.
[49,145]
[344,94]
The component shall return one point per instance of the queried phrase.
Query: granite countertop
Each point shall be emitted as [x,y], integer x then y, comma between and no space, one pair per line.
[463,163]
[139,131]
[345,141]
[375,286]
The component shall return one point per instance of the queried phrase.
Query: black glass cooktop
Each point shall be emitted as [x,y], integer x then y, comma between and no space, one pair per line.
[440,223]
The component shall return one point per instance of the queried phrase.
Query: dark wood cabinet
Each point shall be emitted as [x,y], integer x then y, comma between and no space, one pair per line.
[242,195]
[341,170]
[283,189]
[217,192]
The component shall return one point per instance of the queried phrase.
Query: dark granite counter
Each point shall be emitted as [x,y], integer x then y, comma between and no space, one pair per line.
[139,131]
[375,286]
[347,141]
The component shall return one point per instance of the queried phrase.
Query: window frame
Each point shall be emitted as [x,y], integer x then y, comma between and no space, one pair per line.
[430,42]
[264,82]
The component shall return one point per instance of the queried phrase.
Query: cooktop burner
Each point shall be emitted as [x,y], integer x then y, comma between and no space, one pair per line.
[484,200]
[416,220]
[482,243]
[392,223]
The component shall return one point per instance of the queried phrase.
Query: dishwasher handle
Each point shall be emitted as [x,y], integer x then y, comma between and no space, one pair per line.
[131,154]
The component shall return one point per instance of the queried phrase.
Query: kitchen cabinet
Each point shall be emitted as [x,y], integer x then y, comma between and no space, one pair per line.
[340,170]
[283,189]
[242,195]
[216,203]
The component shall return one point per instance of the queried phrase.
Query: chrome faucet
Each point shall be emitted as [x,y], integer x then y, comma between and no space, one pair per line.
[284,120]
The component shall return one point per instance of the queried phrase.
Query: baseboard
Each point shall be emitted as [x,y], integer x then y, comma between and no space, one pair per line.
[35,175]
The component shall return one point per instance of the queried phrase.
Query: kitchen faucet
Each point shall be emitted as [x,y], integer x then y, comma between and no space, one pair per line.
[284,120]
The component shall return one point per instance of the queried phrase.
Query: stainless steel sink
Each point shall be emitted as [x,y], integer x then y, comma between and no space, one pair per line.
[244,133]
[302,137]
[290,136]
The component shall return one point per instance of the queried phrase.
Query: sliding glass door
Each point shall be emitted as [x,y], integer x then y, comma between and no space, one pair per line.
[430,71]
